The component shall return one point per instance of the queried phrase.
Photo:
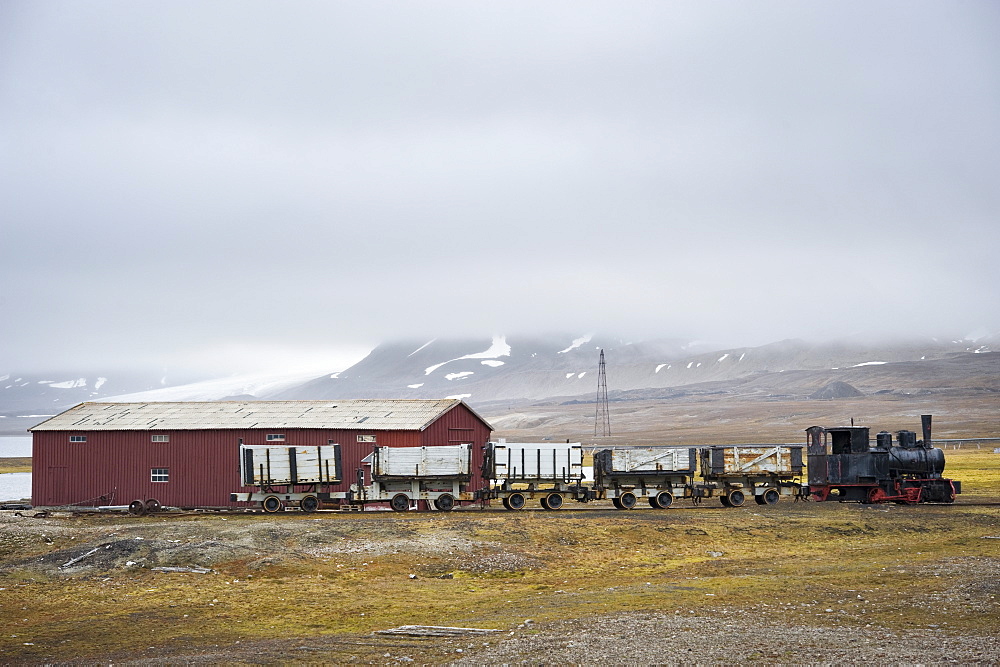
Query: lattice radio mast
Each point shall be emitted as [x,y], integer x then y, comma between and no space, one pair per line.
[602,421]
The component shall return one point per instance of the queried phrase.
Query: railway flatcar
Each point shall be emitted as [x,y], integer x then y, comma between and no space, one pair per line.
[845,466]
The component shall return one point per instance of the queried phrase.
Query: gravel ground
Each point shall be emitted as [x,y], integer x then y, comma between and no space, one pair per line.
[717,635]
[633,638]
[660,638]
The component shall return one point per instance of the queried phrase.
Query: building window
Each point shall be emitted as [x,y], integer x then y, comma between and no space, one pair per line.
[275,437]
[78,438]
[161,438]
[159,474]
[366,438]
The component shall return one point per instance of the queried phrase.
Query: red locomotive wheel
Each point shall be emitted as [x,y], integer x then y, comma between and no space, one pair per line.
[877,495]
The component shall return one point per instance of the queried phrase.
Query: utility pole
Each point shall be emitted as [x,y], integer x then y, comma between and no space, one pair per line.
[602,421]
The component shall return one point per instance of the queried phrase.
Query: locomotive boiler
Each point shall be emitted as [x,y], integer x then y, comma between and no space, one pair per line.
[845,466]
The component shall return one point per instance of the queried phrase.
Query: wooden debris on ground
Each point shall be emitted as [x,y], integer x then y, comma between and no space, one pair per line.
[433,631]
[79,558]
[195,570]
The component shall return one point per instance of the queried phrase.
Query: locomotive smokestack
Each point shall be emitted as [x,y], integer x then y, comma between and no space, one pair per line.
[925,421]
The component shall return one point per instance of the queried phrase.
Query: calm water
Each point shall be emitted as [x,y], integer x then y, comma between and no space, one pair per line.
[15,486]
[15,445]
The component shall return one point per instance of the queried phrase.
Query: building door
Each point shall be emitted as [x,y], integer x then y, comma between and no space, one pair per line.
[56,481]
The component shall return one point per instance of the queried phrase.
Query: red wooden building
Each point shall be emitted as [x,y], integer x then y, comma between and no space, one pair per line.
[187,454]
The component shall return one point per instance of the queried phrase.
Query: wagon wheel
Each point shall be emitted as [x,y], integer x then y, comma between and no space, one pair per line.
[553,501]
[736,498]
[137,508]
[309,504]
[271,504]
[505,502]
[515,501]
[617,502]
[400,503]
[759,499]
[876,495]
[627,500]
[153,505]
[445,502]
[771,496]
[661,500]
[724,499]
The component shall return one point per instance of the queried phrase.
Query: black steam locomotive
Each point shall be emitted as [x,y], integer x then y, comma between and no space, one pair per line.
[844,466]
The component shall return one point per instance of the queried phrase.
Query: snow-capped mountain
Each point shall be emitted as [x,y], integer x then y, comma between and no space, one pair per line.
[514,368]
[559,368]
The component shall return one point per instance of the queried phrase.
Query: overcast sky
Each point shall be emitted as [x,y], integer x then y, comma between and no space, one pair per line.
[256,182]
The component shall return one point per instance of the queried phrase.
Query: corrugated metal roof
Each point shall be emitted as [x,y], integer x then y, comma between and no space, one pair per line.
[373,415]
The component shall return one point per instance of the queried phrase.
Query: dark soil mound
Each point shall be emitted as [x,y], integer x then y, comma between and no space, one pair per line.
[836,390]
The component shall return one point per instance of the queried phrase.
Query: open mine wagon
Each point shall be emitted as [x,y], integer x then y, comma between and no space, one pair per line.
[550,472]
[765,472]
[404,475]
[731,472]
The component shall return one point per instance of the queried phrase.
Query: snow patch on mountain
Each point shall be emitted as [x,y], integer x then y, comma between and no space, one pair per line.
[421,347]
[69,384]
[492,362]
[577,342]
[259,385]
[456,376]
[869,363]
[499,348]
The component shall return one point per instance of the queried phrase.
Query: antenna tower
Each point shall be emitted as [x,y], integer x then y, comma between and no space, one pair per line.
[602,421]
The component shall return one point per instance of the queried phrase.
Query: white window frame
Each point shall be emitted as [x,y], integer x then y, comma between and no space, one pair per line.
[366,438]
[160,438]
[159,475]
[78,438]
[275,437]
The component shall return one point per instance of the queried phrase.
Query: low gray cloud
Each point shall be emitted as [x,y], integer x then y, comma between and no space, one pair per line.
[194,180]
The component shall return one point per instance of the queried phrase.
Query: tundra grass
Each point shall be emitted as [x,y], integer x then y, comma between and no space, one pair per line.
[821,564]
[15,464]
